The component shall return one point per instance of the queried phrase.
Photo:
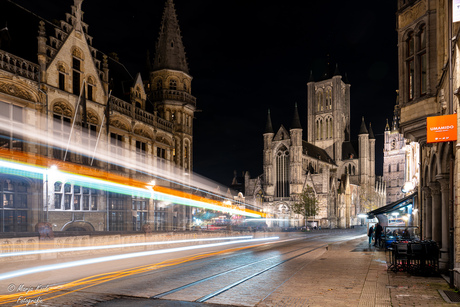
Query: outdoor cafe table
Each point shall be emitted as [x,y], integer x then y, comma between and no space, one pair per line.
[415,257]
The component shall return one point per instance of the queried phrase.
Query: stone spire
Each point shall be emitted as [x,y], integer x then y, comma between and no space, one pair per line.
[363,129]
[170,52]
[268,125]
[295,120]
[371,133]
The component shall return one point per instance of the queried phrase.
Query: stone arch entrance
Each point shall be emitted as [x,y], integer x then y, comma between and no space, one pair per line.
[78,226]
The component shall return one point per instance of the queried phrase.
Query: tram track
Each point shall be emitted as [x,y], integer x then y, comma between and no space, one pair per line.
[240,281]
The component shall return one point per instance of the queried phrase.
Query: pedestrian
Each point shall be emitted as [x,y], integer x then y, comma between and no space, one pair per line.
[370,234]
[378,234]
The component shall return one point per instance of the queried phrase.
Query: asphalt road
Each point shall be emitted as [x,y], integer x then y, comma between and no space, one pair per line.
[241,274]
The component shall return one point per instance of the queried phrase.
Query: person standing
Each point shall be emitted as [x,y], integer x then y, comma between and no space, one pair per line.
[378,234]
[370,234]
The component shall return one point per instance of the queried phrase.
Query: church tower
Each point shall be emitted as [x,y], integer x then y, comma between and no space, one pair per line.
[170,87]
[296,153]
[328,115]
[394,159]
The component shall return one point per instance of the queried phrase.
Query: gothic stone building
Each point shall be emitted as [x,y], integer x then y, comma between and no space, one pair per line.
[148,119]
[340,172]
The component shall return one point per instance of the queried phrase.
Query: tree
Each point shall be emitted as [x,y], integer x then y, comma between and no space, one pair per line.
[308,204]
[369,199]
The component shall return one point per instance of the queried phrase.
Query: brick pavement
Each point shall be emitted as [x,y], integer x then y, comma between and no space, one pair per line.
[355,274]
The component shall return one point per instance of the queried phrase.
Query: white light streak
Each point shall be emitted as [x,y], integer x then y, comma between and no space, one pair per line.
[75,249]
[65,265]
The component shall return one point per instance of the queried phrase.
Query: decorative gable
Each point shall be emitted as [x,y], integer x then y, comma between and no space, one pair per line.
[282,134]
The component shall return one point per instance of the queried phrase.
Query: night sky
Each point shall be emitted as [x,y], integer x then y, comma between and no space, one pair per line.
[250,56]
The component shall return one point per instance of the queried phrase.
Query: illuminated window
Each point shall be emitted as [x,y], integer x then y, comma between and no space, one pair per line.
[140,212]
[116,148]
[61,131]
[282,173]
[416,62]
[88,140]
[12,117]
[421,54]
[141,151]
[13,207]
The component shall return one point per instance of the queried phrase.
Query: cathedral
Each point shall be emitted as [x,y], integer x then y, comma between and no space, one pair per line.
[340,171]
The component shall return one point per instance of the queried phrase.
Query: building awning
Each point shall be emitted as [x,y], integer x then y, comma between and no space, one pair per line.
[403,202]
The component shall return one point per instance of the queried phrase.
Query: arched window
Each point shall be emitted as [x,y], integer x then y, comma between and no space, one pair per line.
[410,65]
[61,128]
[330,128]
[321,129]
[61,80]
[159,85]
[421,54]
[282,173]
[76,74]
[172,84]
[317,130]
[320,99]
[328,99]
[90,88]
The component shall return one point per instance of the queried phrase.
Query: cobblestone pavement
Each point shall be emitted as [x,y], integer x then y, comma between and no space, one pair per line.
[351,273]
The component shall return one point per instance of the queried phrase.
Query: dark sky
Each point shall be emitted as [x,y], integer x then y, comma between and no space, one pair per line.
[248,56]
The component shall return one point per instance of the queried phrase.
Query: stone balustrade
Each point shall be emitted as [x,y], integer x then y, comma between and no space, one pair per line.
[18,66]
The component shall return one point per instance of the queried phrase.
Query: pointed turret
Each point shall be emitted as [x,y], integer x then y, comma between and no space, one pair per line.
[371,133]
[296,120]
[336,72]
[170,52]
[363,129]
[387,127]
[311,78]
[268,125]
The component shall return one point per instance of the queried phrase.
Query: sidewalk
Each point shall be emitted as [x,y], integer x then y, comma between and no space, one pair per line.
[354,273]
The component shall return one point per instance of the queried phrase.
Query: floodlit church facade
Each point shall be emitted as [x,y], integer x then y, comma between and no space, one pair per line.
[341,172]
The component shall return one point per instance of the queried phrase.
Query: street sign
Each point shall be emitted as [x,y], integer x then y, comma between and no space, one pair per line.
[441,128]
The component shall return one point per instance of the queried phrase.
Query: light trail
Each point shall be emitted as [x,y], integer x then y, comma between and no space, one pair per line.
[98,247]
[158,168]
[97,279]
[58,266]
[117,184]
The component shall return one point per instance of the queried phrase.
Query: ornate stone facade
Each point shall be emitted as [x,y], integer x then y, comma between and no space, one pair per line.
[64,87]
